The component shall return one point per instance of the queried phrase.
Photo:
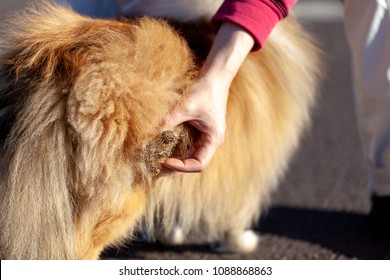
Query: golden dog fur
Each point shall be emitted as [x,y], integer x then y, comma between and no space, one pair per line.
[81,103]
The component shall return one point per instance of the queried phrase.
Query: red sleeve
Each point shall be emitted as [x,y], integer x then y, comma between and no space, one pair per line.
[258,17]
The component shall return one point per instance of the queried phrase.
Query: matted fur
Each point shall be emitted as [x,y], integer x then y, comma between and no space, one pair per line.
[81,103]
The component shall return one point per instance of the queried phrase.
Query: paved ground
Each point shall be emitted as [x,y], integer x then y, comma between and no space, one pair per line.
[320,210]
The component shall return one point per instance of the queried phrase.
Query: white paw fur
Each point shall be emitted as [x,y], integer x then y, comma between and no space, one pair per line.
[239,242]
[176,237]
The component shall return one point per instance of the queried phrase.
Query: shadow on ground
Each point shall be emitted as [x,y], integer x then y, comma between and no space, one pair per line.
[348,234]
[345,234]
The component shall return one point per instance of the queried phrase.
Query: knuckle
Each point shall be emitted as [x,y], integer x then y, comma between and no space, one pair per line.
[190,107]
[202,166]
[220,137]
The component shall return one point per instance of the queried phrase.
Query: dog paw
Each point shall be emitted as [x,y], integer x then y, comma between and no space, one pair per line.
[238,242]
[176,237]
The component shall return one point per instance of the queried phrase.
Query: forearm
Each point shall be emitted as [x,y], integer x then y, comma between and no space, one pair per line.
[231,46]
[257,17]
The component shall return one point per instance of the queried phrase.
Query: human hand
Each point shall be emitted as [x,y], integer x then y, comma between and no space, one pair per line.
[205,105]
[205,109]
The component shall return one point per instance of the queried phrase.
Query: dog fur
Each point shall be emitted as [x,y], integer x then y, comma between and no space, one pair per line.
[82,100]
[268,111]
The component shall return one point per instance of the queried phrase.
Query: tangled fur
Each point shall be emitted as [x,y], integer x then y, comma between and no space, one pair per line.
[81,103]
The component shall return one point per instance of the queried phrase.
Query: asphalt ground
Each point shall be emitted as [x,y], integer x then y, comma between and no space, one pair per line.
[320,208]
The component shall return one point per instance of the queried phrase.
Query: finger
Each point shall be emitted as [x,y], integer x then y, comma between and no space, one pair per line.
[165,170]
[197,163]
[183,165]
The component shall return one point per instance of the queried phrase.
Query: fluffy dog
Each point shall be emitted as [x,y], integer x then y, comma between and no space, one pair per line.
[81,105]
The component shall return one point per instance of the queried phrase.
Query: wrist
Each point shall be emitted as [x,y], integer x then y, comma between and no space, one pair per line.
[230,48]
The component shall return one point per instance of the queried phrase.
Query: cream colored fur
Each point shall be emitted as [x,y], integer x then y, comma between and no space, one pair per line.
[81,103]
[268,111]
[86,97]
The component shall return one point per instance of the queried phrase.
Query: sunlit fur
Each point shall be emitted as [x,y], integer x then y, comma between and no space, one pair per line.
[268,111]
[85,96]
[81,105]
